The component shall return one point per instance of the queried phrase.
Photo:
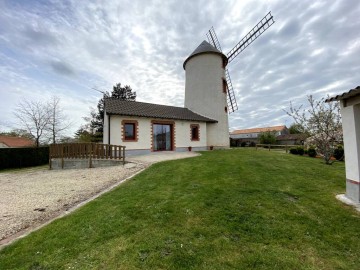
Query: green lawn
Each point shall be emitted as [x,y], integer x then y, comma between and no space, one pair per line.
[235,209]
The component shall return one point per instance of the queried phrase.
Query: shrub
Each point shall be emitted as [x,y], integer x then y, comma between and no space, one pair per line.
[293,151]
[23,157]
[305,151]
[267,137]
[243,144]
[339,153]
[312,152]
[300,150]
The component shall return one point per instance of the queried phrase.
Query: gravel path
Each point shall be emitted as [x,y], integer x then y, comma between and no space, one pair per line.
[29,198]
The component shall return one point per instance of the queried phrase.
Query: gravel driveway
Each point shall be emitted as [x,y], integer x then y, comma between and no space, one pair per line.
[31,197]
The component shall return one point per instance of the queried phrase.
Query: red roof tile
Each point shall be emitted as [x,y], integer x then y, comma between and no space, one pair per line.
[16,141]
[258,130]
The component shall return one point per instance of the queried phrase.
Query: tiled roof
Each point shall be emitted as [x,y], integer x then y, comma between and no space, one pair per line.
[142,109]
[351,93]
[286,137]
[16,141]
[205,47]
[257,130]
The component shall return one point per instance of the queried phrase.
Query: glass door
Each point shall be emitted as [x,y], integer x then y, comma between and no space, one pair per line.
[162,137]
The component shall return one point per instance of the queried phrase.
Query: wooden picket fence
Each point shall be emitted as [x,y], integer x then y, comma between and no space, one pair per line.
[276,146]
[86,151]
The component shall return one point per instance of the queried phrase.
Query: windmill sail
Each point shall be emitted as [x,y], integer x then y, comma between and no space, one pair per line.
[254,33]
[231,101]
[211,35]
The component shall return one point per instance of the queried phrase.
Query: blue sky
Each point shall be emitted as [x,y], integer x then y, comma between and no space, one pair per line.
[65,48]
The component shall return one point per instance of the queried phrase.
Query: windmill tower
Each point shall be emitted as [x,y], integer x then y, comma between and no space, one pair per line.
[208,87]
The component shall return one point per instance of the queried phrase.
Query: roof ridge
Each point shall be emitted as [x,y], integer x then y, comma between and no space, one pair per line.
[143,102]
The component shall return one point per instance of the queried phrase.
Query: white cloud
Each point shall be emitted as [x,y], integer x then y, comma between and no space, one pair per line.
[68,47]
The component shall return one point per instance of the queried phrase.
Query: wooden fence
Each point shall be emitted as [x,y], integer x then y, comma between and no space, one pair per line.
[86,151]
[287,147]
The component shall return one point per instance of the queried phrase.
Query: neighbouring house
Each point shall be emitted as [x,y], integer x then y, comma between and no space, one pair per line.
[350,113]
[291,139]
[201,124]
[11,142]
[252,134]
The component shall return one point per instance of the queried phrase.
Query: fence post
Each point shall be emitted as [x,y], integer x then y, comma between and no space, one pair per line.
[50,156]
[123,155]
[286,149]
[90,155]
[62,156]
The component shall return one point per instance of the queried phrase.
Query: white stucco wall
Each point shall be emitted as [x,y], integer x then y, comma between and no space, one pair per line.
[351,132]
[204,95]
[143,135]
[183,134]
[144,139]
[106,128]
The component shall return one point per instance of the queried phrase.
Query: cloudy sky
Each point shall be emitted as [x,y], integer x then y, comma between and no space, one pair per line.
[66,48]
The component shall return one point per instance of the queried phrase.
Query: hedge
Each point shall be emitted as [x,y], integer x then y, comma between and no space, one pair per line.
[23,157]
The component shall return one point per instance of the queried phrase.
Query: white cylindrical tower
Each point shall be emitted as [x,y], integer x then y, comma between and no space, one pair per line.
[205,91]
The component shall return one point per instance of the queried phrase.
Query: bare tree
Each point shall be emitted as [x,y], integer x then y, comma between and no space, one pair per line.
[34,117]
[322,121]
[58,121]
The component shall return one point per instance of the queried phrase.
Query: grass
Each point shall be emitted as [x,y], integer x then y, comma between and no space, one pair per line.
[235,209]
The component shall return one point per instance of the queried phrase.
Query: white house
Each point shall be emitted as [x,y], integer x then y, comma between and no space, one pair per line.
[202,124]
[252,134]
[350,113]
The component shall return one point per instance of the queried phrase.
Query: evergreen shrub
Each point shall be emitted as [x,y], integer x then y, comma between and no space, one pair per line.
[23,157]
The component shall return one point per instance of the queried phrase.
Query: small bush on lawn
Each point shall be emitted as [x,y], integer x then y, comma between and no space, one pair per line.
[293,151]
[300,150]
[311,152]
[339,153]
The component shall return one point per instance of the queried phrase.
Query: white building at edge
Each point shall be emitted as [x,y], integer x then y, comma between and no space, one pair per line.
[350,114]
[202,124]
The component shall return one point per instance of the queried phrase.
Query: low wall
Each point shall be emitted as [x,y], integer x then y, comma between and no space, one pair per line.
[56,163]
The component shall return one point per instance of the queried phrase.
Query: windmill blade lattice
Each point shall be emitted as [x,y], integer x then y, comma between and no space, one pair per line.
[254,33]
[211,35]
[231,100]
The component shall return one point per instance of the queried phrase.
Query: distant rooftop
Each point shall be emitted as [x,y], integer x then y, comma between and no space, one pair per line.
[142,109]
[257,130]
[10,141]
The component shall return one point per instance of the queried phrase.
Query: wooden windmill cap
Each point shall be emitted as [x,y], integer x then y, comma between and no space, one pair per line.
[205,47]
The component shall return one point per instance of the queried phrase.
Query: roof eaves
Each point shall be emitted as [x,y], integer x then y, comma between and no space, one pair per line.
[351,93]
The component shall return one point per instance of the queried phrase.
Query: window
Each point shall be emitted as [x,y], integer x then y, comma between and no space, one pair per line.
[163,135]
[223,63]
[195,132]
[224,84]
[129,130]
